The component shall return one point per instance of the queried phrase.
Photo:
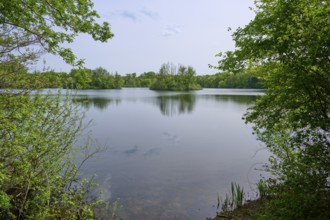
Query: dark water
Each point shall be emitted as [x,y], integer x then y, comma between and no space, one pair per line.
[170,153]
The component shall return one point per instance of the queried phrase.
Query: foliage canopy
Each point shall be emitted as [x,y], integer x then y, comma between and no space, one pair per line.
[38,170]
[174,78]
[38,167]
[46,25]
[288,43]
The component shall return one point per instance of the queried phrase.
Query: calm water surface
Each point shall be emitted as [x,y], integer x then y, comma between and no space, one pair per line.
[170,153]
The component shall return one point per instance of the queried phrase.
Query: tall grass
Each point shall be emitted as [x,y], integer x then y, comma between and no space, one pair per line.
[263,189]
[233,200]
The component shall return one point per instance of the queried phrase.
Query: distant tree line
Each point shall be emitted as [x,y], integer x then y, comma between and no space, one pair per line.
[243,79]
[169,77]
[143,80]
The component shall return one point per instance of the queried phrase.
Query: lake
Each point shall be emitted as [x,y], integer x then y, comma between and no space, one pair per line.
[168,154]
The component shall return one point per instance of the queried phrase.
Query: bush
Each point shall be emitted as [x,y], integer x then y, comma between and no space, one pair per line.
[38,171]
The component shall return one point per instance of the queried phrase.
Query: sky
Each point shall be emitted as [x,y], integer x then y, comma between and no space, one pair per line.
[149,33]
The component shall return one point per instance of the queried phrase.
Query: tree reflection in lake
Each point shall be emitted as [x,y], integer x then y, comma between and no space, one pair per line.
[98,102]
[177,104]
[171,105]
[246,99]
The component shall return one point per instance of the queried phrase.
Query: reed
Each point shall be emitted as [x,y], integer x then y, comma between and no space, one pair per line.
[237,195]
[233,200]
[263,189]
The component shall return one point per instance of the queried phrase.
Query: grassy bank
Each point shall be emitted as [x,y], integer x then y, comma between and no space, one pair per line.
[248,211]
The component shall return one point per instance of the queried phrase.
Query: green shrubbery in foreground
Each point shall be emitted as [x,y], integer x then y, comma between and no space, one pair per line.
[38,170]
[287,43]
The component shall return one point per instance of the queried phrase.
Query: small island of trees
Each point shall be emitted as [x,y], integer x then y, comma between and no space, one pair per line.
[175,79]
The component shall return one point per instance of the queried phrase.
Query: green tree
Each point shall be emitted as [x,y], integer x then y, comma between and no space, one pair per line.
[288,44]
[49,79]
[146,78]
[101,79]
[10,80]
[130,80]
[81,78]
[46,25]
[172,78]
[118,81]
[243,79]
[38,169]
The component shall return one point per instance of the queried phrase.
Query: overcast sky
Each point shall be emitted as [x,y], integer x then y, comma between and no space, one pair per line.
[149,33]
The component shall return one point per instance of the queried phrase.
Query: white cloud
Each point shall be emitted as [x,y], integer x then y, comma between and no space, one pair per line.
[129,15]
[171,30]
[150,14]
[136,15]
[124,14]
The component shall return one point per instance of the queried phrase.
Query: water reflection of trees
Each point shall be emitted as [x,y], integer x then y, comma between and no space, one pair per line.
[178,104]
[185,103]
[239,99]
[169,105]
[96,102]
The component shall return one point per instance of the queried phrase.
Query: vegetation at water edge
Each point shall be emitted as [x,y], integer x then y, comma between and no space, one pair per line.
[287,44]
